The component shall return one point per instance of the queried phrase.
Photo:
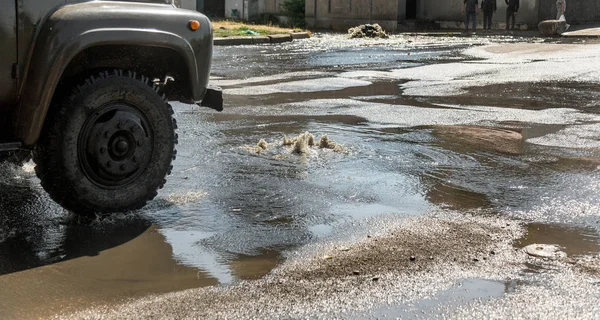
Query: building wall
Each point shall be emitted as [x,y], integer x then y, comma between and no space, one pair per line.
[272,6]
[246,9]
[451,11]
[252,10]
[212,8]
[578,11]
[188,4]
[341,14]
[233,4]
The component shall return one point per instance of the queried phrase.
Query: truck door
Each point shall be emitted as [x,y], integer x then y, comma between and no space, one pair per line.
[8,52]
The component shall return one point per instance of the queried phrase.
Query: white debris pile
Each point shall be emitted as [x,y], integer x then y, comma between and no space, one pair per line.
[304,143]
[367,31]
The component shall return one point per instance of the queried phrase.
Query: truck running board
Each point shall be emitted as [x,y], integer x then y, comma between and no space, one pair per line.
[10,146]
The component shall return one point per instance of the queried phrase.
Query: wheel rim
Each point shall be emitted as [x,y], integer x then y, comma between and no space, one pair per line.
[115,145]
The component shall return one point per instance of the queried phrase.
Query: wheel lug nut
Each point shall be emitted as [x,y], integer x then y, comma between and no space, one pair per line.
[133,129]
[123,167]
[120,125]
[134,159]
[109,164]
[106,134]
[140,143]
[102,150]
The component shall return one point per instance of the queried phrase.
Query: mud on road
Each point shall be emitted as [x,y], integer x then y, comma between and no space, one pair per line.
[457,153]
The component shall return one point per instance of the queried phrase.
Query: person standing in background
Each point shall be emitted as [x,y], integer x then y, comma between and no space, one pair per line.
[469,8]
[488,7]
[561,7]
[511,12]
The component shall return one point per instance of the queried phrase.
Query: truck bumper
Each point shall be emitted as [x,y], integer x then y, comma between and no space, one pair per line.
[213,98]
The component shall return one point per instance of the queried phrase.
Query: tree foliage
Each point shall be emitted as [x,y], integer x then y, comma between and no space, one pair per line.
[294,10]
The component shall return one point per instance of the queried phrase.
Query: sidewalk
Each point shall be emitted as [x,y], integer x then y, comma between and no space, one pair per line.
[583,31]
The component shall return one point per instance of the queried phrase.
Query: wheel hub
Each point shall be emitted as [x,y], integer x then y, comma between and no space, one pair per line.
[118,145]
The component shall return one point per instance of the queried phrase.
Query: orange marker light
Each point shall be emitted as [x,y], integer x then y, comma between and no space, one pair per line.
[194,25]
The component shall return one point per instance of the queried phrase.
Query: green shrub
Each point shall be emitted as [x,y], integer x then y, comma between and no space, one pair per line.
[294,10]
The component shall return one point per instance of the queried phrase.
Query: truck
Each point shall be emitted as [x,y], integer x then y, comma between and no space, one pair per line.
[85,88]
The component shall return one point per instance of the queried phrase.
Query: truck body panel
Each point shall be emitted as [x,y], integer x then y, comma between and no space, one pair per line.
[8,54]
[69,29]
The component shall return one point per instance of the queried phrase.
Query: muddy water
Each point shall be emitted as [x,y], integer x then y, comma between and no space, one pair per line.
[422,127]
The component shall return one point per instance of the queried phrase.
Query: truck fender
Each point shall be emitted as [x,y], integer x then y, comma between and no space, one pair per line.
[58,42]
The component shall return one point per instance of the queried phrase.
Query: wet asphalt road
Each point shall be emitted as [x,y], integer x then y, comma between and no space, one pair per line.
[456,151]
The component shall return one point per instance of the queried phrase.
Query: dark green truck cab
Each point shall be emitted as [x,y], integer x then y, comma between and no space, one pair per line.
[86,85]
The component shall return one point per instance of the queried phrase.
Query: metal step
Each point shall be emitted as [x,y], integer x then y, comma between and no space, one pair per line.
[10,146]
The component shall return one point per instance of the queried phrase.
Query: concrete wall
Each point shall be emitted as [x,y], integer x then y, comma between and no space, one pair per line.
[272,6]
[578,11]
[212,8]
[401,15]
[451,11]
[233,4]
[252,9]
[188,4]
[342,14]
[246,9]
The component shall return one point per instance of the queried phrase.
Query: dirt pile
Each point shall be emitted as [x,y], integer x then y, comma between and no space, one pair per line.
[367,31]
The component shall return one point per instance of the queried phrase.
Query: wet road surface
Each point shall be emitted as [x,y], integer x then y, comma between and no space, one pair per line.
[487,142]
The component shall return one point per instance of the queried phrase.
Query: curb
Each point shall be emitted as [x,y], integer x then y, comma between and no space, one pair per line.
[580,36]
[300,35]
[247,40]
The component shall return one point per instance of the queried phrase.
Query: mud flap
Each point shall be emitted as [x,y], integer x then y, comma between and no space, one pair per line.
[213,98]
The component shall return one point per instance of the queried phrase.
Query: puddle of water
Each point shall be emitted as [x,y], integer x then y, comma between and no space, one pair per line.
[136,268]
[575,241]
[335,51]
[533,96]
[466,291]
[454,198]
[221,265]
[312,85]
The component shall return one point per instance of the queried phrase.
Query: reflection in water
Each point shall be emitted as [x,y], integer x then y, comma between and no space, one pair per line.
[138,267]
[48,267]
[446,301]
[576,241]
[33,233]
[452,197]
[519,95]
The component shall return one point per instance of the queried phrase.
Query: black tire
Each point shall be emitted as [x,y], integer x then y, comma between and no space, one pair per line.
[108,146]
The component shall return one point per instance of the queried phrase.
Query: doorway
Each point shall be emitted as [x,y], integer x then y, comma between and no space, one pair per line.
[213,9]
[411,9]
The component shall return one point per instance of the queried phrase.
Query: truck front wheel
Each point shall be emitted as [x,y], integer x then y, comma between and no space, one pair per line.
[108,146]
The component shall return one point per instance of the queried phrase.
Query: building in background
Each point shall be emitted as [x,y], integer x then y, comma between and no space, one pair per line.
[211,8]
[236,9]
[398,14]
